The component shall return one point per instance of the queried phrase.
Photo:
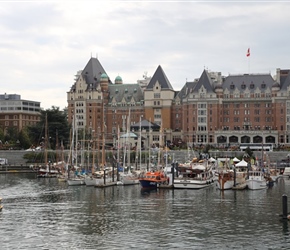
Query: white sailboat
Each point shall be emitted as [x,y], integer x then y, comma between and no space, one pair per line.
[48,170]
[128,178]
[75,179]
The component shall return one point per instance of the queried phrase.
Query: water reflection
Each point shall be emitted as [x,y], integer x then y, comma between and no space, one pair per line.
[39,211]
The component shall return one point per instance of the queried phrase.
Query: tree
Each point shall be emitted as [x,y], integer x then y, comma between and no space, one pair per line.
[58,127]
[24,139]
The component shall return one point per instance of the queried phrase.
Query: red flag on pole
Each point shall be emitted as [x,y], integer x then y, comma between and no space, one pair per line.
[248,52]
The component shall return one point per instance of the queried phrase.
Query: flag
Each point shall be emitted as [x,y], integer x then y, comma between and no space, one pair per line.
[248,52]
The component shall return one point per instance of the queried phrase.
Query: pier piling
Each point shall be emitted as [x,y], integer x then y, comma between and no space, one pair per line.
[284,206]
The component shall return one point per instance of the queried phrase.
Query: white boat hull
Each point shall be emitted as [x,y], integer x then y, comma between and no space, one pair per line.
[75,182]
[129,181]
[257,184]
[192,184]
[256,180]
[89,181]
[225,185]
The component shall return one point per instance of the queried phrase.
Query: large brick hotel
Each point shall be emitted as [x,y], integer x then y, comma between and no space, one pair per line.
[213,109]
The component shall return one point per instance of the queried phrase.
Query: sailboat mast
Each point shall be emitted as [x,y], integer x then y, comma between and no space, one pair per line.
[128,139]
[118,146]
[149,148]
[93,163]
[103,137]
[160,143]
[93,142]
[45,140]
[140,141]
[76,143]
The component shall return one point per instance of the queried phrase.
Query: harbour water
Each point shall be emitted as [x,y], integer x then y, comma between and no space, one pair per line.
[47,214]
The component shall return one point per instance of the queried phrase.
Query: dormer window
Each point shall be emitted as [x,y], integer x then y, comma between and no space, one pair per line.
[263,85]
[252,86]
[243,86]
[232,86]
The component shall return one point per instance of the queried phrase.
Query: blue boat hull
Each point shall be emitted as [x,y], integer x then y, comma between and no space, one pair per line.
[148,184]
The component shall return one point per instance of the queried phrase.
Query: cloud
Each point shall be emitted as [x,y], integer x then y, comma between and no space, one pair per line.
[44,44]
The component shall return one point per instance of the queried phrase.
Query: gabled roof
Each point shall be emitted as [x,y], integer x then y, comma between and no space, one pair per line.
[93,71]
[204,81]
[159,76]
[187,88]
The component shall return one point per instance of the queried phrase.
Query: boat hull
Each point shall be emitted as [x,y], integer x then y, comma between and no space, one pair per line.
[193,184]
[225,185]
[240,186]
[148,184]
[75,182]
[256,184]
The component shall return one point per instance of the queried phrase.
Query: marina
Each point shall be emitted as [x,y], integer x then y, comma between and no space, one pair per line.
[43,213]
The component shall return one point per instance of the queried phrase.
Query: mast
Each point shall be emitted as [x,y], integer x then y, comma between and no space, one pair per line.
[103,138]
[76,143]
[118,146]
[93,161]
[45,141]
[128,140]
[56,147]
[149,149]
[160,142]
[140,141]
[93,141]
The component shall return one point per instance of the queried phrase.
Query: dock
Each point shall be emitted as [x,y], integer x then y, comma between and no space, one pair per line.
[14,169]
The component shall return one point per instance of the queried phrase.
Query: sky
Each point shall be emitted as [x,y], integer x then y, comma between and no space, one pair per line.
[44,43]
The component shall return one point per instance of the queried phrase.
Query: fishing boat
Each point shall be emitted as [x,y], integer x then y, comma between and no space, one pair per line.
[256,180]
[225,178]
[153,179]
[197,176]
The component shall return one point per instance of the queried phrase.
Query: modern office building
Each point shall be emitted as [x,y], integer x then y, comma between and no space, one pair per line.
[223,111]
[17,113]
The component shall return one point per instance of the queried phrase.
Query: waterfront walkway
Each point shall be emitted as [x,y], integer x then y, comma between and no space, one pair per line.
[8,169]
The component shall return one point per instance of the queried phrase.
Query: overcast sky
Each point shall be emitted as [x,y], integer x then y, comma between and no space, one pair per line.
[44,43]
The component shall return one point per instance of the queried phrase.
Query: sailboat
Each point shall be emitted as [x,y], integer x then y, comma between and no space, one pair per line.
[74,178]
[91,180]
[48,170]
[128,178]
